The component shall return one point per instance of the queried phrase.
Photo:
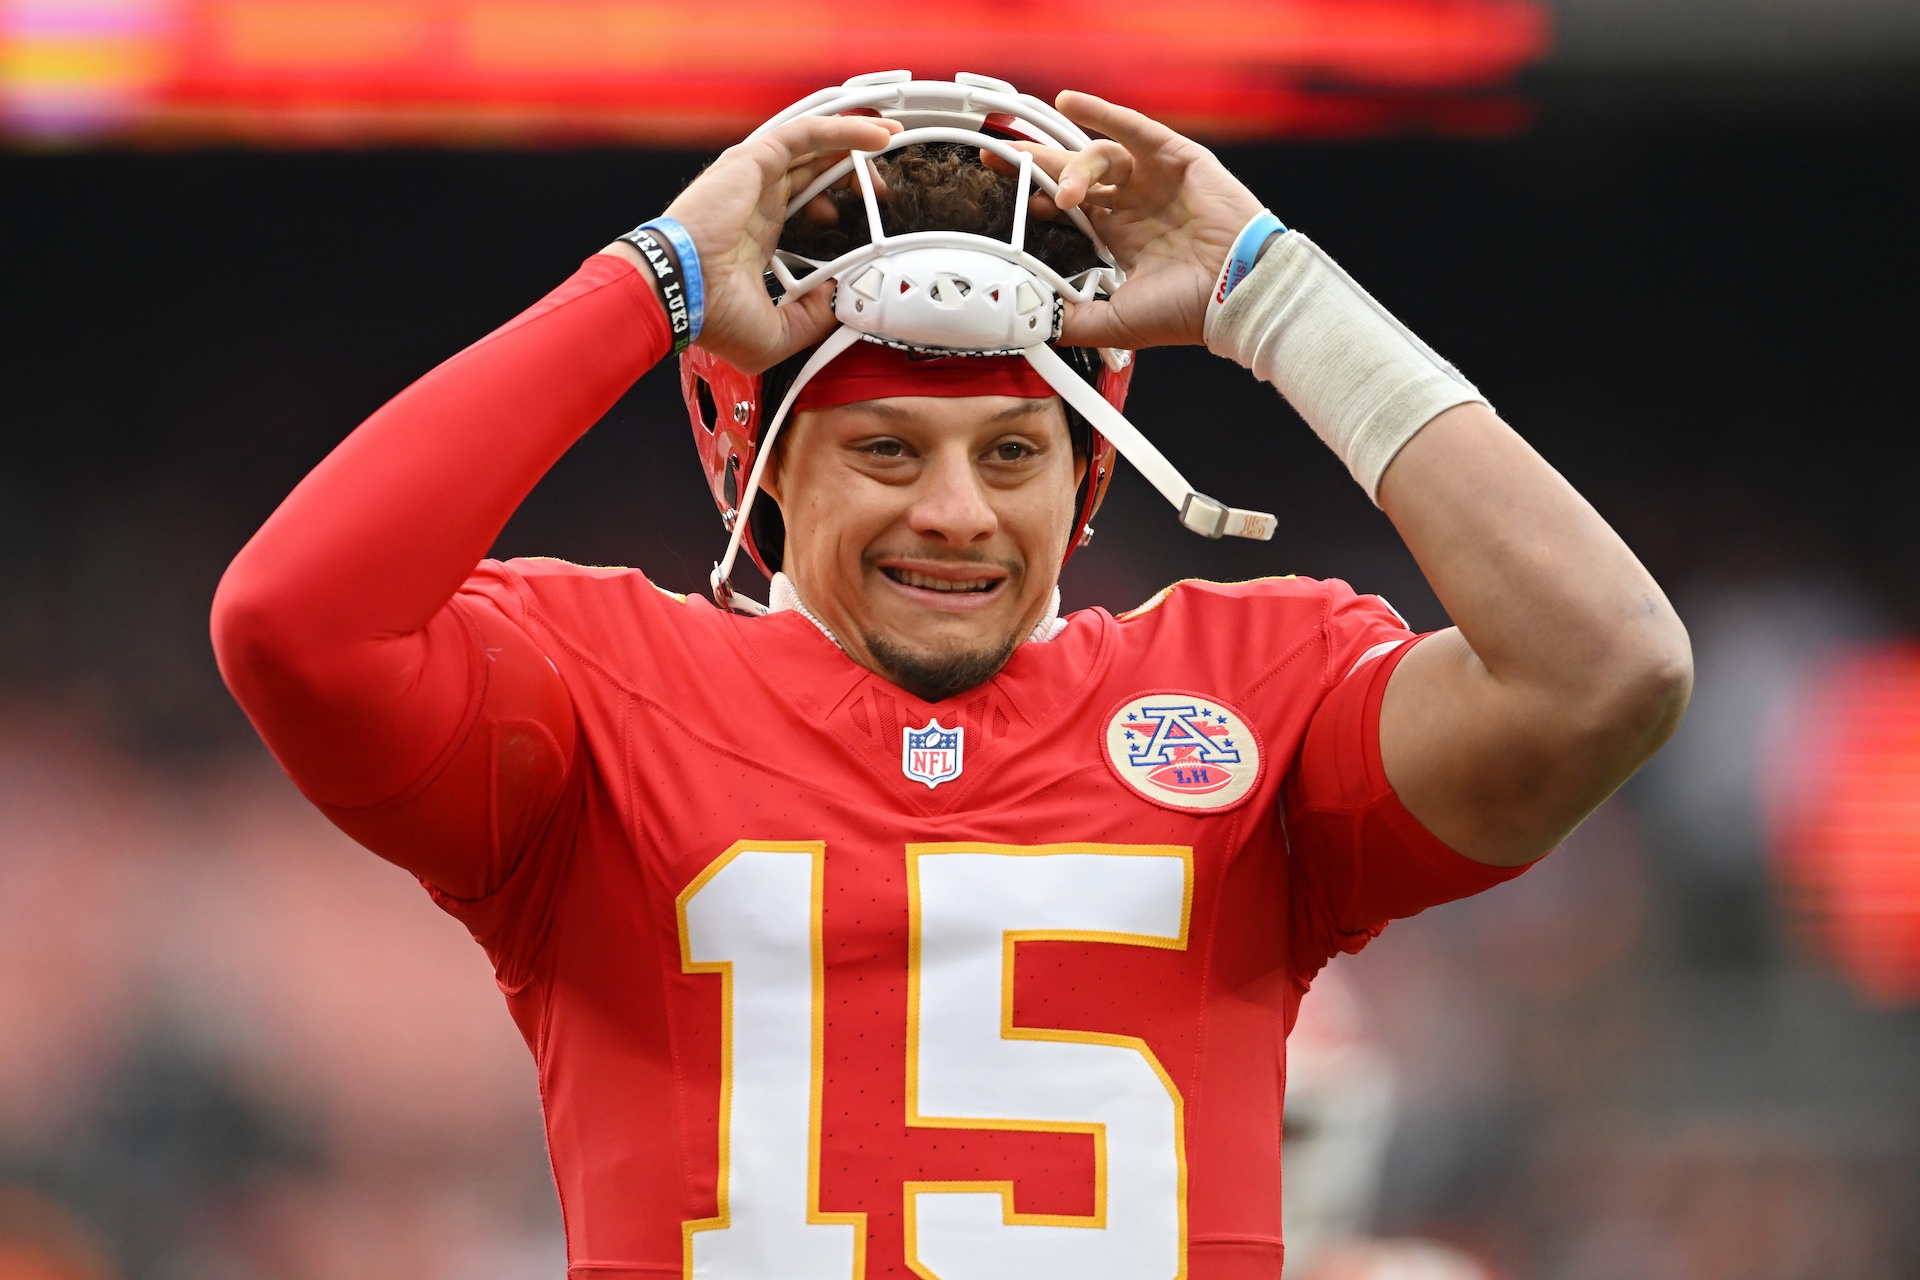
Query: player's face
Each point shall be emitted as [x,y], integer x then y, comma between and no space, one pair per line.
[927,532]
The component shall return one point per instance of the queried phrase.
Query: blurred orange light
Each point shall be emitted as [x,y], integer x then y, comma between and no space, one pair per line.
[1847,819]
[570,70]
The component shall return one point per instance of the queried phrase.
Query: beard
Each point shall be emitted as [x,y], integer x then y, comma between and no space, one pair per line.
[933,677]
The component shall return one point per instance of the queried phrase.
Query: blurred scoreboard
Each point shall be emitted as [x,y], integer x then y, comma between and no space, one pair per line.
[344,72]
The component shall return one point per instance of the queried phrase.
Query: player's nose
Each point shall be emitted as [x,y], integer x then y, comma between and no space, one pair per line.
[951,501]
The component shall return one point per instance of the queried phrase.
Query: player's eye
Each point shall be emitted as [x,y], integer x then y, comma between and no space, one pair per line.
[1012,451]
[884,448]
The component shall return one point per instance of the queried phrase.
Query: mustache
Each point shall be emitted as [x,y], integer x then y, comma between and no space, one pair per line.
[948,555]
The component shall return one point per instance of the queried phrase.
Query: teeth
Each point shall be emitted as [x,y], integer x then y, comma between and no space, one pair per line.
[909,578]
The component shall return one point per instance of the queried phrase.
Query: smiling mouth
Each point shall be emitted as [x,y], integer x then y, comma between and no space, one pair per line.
[927,582]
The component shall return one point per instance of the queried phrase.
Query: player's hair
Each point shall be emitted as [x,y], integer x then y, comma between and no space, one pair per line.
[938,186]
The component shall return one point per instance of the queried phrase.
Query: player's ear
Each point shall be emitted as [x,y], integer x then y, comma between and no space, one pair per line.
[1081,442]
[773,479]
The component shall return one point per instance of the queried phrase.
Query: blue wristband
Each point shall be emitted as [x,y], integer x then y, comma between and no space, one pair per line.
[689,269]
[669,282]
[1246,251]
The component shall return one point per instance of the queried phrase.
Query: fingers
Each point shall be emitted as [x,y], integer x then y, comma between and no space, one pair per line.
[1105,162]
[804,323]
[1051,161]
[1086,178]
[813,138]
[1041,207]
[1096,324]
[1137,133]
[821,209]
[1105,324]
[1048,160]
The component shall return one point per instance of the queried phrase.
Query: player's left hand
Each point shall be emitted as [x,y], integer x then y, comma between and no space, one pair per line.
[1164,204]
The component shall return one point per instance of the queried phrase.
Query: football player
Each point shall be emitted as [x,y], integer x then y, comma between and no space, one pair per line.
[907,925]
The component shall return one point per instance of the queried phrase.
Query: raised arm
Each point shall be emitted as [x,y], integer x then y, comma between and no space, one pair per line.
[1567,667]
[437,733]
[334,626]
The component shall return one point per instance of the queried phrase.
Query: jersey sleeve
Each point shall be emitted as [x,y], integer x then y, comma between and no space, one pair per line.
[560,649]
[421,718]
[503,813]
[489,802]
[1357,858]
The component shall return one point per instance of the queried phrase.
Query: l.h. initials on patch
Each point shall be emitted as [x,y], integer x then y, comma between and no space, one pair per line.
[933,754]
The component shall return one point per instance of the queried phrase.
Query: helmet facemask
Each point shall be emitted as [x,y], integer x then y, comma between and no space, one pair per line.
[958,293]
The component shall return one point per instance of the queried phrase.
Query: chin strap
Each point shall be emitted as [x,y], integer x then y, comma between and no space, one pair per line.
[839,340]
[1198,512]
[1203,515]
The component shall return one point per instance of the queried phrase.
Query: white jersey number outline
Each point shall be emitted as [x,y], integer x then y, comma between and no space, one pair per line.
[970,1067]
[754,917]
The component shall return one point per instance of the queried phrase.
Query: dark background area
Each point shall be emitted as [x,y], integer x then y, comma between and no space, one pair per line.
[1697,302]
[236,1045]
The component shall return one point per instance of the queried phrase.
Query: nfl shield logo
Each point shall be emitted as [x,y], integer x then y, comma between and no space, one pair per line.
[931,755]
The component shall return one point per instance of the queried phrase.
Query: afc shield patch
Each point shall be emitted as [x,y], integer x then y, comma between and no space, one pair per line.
[1183,750]
[933,754]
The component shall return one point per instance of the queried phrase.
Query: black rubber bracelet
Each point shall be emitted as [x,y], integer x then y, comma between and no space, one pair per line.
[669,282]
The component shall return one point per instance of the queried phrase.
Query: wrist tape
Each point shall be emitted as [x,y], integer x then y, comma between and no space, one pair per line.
[1364,383]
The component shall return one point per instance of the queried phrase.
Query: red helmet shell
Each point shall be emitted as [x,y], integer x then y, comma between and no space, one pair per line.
[724,405]
[727,413]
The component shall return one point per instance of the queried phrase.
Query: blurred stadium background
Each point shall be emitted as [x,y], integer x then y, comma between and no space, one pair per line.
[1674,241]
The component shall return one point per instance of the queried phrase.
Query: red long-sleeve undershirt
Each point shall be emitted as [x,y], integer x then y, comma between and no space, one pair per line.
[336,627]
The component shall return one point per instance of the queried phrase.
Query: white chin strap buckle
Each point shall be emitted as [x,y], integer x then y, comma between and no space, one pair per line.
[1206,516]
[1213,519]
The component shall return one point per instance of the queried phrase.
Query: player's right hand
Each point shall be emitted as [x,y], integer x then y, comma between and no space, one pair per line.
[734,212]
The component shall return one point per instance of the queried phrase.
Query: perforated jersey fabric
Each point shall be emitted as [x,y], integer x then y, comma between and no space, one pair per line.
[795,1010]
[721,729]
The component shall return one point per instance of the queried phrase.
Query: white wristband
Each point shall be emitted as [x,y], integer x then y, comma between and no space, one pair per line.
[1364,383]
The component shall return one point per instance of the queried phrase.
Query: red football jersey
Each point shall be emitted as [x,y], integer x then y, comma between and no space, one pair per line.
[826,982]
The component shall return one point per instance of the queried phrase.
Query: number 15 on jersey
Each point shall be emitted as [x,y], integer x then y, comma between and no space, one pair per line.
[754,918]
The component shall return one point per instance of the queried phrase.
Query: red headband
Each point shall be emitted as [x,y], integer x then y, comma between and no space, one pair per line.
[874,371]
